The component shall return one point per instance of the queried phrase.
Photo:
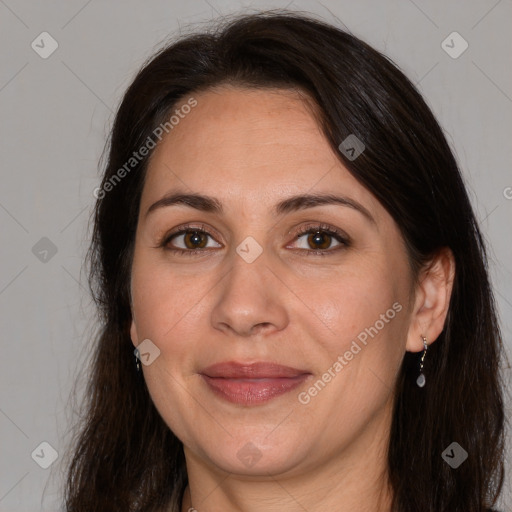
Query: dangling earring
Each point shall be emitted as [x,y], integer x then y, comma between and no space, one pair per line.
[137,361]
[421,379]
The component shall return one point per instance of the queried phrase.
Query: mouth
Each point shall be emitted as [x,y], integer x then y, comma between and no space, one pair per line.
[252,384]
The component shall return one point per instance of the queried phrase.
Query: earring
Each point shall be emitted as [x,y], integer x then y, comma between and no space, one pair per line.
[137,361]
[420,381]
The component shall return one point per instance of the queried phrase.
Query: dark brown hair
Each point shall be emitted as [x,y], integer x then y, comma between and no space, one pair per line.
[126,458]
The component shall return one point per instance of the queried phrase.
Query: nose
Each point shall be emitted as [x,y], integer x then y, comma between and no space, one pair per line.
[251,300]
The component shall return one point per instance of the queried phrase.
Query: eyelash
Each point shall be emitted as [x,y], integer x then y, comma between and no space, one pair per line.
[341,237]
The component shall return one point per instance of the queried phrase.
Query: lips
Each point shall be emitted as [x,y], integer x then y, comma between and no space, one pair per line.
[233,370]
[252,384]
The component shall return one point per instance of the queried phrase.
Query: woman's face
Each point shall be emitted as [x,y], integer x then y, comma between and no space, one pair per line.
[326,315]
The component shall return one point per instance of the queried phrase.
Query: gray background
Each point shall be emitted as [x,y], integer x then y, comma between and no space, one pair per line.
[55,115]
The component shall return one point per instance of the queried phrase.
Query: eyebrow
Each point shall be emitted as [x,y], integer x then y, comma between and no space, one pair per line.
[295,203]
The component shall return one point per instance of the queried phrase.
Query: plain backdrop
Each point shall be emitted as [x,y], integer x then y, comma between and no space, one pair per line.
[56,113]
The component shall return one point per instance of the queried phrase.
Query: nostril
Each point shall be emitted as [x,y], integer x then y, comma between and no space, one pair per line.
[263,326]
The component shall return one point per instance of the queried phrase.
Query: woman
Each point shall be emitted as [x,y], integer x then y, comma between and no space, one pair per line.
[283,239]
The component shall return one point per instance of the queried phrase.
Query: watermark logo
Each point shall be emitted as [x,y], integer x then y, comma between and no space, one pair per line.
[249,454]
[454,455]
[249,250]
[45,455]
[147,352]
[454,45]
[44,250]
[352,147]
[44,45]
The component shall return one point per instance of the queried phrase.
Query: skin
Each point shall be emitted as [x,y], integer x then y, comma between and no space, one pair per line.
[251,149]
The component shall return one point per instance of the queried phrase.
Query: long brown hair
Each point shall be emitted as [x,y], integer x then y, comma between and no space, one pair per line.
[125,457]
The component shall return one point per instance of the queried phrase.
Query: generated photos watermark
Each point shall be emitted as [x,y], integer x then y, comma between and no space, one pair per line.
[304,397]
[144,150]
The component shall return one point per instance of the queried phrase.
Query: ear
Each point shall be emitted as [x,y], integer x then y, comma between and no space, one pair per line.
[133,327]
[432,300]
[133,333]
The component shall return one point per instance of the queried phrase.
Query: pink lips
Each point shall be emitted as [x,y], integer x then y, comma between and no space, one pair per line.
[252,384]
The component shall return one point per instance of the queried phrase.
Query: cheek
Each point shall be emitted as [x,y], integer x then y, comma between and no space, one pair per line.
[347,302]
[357,362]
[167,309]
[366,315]
[163,301]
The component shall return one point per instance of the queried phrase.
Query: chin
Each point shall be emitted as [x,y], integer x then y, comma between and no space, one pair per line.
[252,457]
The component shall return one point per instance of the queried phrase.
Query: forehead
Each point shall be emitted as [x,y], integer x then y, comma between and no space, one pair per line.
[243,145]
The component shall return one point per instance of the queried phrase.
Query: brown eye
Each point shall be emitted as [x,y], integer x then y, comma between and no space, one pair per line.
[319,240]
[195,239]
[189,241]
